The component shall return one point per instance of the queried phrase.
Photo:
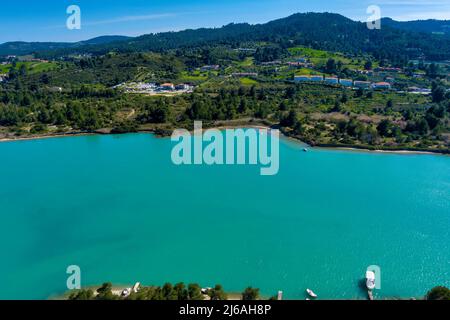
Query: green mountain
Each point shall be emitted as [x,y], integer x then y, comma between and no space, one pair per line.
[326,31]
[105,40]
[23,48]
[425,26]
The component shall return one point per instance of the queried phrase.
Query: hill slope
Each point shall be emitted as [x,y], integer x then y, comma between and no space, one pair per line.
[425,26]
[325,31]
[23,48]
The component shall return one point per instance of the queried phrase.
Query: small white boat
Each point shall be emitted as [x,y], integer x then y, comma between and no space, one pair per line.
[305,150]
[370,280]
[311,293]
[126,292]
[205,290]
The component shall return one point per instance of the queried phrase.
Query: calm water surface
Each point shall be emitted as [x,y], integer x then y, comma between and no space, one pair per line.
[117,207]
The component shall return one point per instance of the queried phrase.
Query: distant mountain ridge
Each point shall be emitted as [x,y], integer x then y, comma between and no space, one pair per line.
[327,31]
[23,48]
[426,26]
[105,39]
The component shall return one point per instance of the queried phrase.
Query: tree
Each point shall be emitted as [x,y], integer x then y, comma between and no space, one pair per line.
[242,106]
[337,106]
[368,65]
[195,292]
[181,292]
[330,66]
[389,104]
[45,79]
[158,114]
[168,292]
[289,120]
[438,293]
[23,70]
[298,128]
[432,70]
[359,93]
[384,128]
[437,93]
[217,293]
[422,126]
[82,295]
[250,294]
[105,292]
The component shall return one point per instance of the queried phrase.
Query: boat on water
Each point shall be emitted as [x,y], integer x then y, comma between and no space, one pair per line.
[305,150]
[370,280]
[311,293]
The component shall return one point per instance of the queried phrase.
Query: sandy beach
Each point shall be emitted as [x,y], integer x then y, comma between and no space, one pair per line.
[224,127]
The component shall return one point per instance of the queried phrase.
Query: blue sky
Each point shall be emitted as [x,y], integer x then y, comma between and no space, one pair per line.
[44,20]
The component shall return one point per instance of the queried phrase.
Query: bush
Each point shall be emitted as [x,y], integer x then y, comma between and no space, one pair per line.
[250,294]
[438,293]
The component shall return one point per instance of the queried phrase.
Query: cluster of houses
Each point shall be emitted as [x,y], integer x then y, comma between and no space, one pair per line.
[388,69]
[299,62]
[153,88]
[344,82]
[417,90]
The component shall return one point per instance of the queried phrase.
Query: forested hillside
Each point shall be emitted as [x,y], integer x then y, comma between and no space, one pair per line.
[324,31]
[426,26]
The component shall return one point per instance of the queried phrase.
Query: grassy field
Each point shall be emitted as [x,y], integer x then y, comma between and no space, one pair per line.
[306,72]
[32,67]
[194,76]
[248,81]
[320,57]
[247,62]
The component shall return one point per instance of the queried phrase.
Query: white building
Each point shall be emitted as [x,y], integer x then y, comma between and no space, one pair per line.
[214,67]
[302,78]
[332,80]
[362,84]
[167,87]
[381,86]
[346,82]
[316,78]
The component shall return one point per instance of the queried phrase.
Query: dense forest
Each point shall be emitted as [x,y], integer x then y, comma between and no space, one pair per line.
[425,26]
[324,31]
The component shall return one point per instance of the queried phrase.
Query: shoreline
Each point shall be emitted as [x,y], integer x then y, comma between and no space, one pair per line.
[161,134]
[117,289]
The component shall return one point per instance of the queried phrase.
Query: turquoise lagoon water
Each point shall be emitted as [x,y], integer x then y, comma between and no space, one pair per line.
[117,207]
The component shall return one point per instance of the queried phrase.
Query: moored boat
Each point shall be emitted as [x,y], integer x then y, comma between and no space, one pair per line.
[311,293]
[370,280]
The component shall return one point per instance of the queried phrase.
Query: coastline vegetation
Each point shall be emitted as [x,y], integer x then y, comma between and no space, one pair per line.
[316,114]
[193,292]
[179,291]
